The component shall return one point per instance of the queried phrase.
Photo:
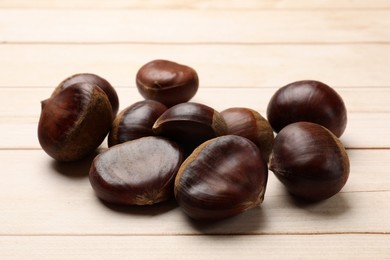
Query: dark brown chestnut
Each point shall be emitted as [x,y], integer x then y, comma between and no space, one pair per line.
[167,82]
[138,172]
[310,161]
[307,100]
[74,122]
[251,124]
[190,124]
[223,177]
[135,121]
[95,80]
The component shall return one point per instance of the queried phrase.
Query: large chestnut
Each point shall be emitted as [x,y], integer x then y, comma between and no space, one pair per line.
[310,161]
[190,124]
[167,82]
[307,100]
[135,121]
[223,177]
[95,80]
[138,172]
[251,124]
[74,122]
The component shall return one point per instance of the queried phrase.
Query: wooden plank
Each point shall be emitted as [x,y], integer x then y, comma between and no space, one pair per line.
[364,130]
[191,4]
[194,26]
[197,247]
[42,197]
[361,100]
[217,65]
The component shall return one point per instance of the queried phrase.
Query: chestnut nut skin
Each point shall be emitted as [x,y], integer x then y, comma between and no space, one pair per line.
[190,124]
[307,100]
[310,161]
[95,80]
[138,172]
[74,122]
[251,124]
[223,177]
[135,121]
[167,82]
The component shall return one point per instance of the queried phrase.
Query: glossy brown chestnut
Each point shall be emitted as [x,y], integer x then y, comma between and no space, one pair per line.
[135,121]
[95,80]
[190,124]
[307,100]
[167,82]
[74,122]
[251,124]
[138,172]
[223,177]
[310,161]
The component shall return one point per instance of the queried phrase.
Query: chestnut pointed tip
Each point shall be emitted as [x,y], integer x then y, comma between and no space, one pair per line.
[43,103]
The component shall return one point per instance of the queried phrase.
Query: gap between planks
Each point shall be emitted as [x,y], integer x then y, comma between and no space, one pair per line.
[196,234]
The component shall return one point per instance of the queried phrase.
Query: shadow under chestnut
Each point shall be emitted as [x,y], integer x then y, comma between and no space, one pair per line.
[76,170]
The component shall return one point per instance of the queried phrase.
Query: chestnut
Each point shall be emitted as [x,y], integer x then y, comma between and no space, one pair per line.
[190,124]
[95,80]
[167,82]
[138,172]
[135,121]
[307,100]
[223,177]
[310,161]
[74,122]
[251,124]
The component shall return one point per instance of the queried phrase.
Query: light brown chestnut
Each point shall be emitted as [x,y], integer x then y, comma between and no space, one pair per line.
[74,122]
[190,124]
[138,172]
[94,80]
[307,100]
[223,177]
[167,82]
[135,121]
[310,161]
[250,124]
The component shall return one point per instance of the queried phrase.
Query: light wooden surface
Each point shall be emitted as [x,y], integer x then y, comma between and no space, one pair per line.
[243,51]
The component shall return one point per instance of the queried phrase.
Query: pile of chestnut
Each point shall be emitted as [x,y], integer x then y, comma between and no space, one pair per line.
[214,163]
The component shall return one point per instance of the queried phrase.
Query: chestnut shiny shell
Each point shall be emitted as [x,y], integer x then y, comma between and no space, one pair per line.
[74,122]
[167,82]
[135,121]
[138,172]
[310,161]
[190,124]
[251,124]
[307,100]
[222,177]
[94,80]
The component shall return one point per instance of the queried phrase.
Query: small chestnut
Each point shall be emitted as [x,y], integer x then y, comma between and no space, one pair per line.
[223,177]
[167,82]
[190,124]
[251,124]
[138,172]
[135,121]
[74,122]
[307,100]
[95,80]
[310,161]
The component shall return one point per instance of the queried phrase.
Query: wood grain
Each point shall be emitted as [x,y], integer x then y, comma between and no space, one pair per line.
[222,65]
[197,247]
[196,4]
[195,26]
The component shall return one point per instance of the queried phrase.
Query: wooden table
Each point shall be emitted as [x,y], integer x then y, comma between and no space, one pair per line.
[244,51]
